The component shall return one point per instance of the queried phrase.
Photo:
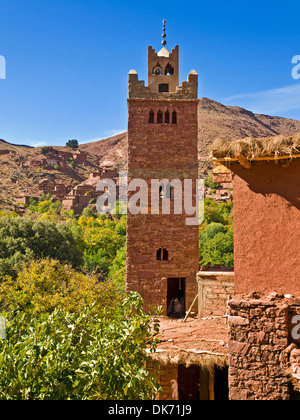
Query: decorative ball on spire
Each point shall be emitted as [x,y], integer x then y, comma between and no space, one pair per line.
[164,42]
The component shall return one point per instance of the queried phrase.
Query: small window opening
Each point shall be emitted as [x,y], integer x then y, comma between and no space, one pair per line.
[159,117]
[163,87]
[162,254]
[165,255]
[151,117]
[167,117]
[161,192]
[174,117]
[169,70]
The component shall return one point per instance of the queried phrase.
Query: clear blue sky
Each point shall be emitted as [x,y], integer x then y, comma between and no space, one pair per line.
[67,61]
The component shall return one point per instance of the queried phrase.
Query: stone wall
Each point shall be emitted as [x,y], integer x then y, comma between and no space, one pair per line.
[259,338]
[215,288]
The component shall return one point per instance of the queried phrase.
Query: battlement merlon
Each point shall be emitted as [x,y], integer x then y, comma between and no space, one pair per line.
[138,90]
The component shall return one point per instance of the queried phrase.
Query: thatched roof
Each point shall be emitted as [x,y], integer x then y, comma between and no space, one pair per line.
[205,359]
[279,147]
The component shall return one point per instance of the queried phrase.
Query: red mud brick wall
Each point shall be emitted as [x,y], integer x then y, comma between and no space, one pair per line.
[266,227]
[157,151]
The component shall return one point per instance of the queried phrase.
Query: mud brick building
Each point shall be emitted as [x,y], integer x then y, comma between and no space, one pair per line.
[263,351]
[162,250]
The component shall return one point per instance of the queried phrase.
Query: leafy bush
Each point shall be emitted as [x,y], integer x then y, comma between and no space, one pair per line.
[71,356]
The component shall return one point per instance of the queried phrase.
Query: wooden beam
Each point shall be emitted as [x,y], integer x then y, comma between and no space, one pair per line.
[243,161]
[257,159]
[189,311]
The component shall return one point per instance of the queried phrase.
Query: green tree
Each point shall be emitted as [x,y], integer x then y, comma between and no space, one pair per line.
[70,356]
[45,285]
[73,144]
[216,245]
[44,150]
[23,239]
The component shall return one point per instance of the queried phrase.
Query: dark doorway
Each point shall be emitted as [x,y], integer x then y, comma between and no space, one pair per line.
[189,382]
[221,384]
[196,383]
[176,297]
[294,394]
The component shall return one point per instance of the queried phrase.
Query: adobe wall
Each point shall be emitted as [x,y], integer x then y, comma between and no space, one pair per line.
[214,290]
[266,227]
[259,345]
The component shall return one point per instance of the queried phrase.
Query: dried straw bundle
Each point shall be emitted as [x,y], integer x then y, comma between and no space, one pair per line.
[252,148]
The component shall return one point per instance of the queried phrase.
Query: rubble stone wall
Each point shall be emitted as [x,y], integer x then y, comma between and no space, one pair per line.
[259,338]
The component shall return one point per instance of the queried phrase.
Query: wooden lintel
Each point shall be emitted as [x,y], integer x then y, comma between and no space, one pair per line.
[243,161]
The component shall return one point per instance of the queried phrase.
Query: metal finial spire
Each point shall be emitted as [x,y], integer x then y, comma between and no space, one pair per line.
[164,42]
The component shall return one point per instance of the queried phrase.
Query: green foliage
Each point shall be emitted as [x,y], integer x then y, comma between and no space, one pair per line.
[72,163]
[70,356]
[44,197]
[23,239]
[209,182]
[73,144]
[56,167]
[44,150]
[216,244]
[46,285]
[117,269]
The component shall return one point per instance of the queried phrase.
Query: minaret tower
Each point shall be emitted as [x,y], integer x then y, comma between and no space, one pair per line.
[162,249]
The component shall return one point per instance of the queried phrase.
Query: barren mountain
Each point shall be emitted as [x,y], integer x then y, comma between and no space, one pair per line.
[19,165]
[215,120]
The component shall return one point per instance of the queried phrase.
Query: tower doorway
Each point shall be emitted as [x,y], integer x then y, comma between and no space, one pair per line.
[176,297]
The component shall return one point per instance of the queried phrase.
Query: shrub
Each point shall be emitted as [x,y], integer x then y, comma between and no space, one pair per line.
[70,356]
[46,285]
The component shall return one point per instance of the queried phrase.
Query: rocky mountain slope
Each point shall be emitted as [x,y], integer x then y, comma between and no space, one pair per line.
[19,173]
[215,120]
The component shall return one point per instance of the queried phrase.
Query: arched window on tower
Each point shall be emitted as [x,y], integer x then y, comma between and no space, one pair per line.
[160,117]
[157,70]
[169,70]
[167,117]
[174,117]
[151,117]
